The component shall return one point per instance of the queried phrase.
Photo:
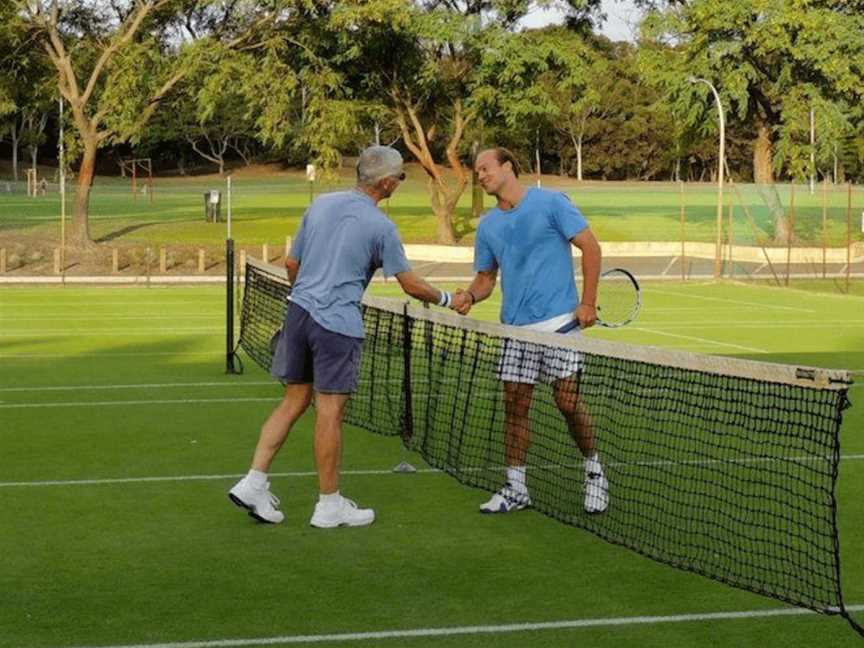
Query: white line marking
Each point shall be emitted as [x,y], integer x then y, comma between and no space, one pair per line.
[97,318]
[155,332]
[99,354]
[181,401]
[698,339]
[730,301]
[139,386]
[485,629]
[380,471]
[76,303]
[758,325]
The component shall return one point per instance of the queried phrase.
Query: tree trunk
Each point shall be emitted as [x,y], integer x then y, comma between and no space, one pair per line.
[443,211]
[79,235]
[579,159]
[34,152]
[15,137]
[763,149]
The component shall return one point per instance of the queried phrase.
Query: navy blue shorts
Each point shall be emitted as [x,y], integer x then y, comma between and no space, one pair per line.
[306,352]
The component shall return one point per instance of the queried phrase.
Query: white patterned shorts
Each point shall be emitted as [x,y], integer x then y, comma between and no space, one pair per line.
[530,363]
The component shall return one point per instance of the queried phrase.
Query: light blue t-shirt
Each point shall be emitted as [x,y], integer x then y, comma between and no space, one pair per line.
[530,244]
[343,239]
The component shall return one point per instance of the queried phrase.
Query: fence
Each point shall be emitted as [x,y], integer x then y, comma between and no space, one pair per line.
[781,234]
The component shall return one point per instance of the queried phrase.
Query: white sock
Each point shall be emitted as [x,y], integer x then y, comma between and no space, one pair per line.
[257,479]
[592,465]
[516,477]
[330,500]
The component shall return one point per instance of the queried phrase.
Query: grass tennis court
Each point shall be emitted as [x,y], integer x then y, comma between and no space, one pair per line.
[121,435]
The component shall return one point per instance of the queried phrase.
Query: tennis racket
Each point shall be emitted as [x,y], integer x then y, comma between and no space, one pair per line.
[618,300]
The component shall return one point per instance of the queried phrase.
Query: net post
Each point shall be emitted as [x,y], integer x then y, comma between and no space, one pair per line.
[407,415]
[230,367]
[229,304]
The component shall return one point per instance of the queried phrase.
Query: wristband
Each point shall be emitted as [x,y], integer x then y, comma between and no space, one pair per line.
[445,299]
[473,298]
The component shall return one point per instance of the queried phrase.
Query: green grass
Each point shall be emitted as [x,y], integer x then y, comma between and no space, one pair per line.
[266,208]
[141,562]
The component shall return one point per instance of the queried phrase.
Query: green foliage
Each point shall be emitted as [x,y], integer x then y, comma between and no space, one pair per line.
[769,60]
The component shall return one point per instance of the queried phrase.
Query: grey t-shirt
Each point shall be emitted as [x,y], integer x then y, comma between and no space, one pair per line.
[343,239]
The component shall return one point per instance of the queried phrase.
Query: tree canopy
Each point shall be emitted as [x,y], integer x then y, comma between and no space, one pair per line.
[228,82]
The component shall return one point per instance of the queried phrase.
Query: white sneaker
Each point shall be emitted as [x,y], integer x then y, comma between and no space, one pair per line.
[260,502]
[344,514]
[506,500]
[596,493]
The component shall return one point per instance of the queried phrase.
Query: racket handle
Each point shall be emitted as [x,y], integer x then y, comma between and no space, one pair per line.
[568,327]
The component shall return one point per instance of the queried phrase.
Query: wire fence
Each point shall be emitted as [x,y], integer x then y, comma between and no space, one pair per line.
[782,234]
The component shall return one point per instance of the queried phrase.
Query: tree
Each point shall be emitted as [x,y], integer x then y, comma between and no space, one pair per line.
[760,55]
[210,108]
[26,92]
[766,59]
[114,69]
[425,60]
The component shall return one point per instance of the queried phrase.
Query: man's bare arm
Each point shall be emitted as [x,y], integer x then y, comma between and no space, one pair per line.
[292,265]
[592,256]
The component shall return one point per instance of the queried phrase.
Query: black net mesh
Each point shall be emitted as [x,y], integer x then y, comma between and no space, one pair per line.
[730,474]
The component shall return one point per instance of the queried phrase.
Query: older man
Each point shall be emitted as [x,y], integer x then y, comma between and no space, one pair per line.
[343,240]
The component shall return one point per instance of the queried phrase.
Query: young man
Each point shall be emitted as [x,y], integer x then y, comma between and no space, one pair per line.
[528,236]
[343,240]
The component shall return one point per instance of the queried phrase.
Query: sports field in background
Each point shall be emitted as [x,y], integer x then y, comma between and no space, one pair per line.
[121,434]
[268,206]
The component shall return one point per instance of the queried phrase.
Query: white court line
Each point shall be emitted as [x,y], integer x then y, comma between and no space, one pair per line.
[138,386]
[180,401]
[97,318]
[99,354]
[759,325]
[802,291]
[116,332]
[77,303]
[484,629]
[698,339]
[381,471]
[730,301]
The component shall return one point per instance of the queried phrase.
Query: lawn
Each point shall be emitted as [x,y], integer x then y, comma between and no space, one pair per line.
[267,206]
[121,435]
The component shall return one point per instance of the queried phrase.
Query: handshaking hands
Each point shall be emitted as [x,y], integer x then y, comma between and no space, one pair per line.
[462,301]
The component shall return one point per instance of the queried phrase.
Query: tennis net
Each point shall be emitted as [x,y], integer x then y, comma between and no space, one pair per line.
[719,466]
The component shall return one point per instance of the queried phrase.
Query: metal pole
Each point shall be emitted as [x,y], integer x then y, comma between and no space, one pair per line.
[718,251]
[848,237]
[812,152]
[791,231]
[62,156]
[683,256]
[229,291]
[731,242]
[824,226]
[537,156]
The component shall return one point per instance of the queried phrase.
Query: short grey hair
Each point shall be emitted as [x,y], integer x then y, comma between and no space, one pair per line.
[376,163]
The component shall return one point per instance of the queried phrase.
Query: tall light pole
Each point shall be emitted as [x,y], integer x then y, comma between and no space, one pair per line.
[812,151]
[62,163]
[718,253]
